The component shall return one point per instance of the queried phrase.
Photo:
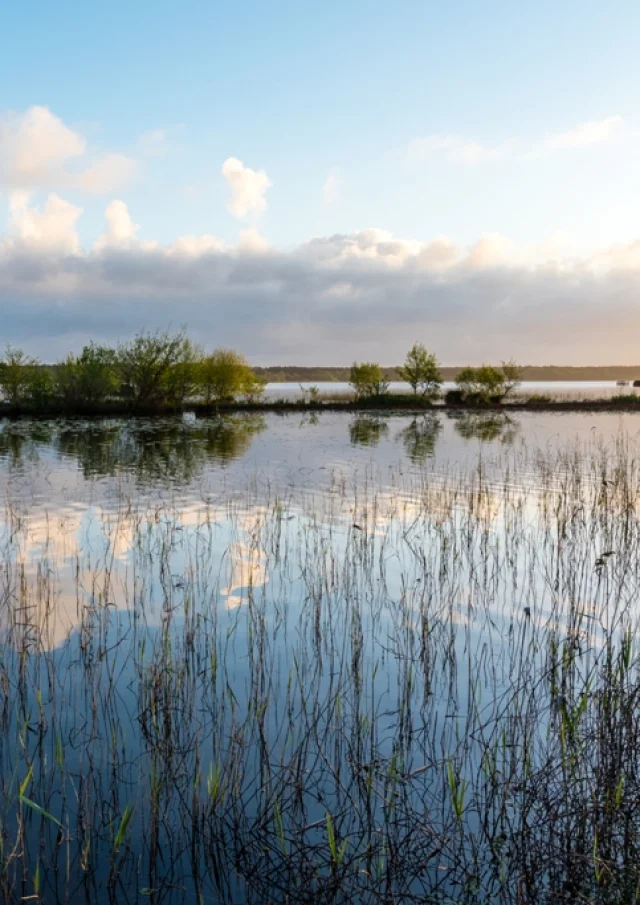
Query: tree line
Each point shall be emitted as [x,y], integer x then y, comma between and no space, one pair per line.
[161,370]
[152,371]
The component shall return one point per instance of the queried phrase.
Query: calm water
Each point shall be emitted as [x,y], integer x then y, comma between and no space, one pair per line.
[560,389]
[334,658]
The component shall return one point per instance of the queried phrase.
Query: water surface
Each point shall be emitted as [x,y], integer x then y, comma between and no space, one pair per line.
[320,658]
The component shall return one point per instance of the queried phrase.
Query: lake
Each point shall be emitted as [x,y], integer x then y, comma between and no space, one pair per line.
[557,389]
[361,658]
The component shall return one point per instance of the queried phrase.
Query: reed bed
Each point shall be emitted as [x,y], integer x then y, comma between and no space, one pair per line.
[416,687]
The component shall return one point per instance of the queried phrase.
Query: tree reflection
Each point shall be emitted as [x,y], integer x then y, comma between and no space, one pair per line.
[419,438]
[149,449]
[367,430]
[20,441]
[485,426]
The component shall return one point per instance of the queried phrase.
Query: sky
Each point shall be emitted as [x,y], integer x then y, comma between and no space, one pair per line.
[323,183]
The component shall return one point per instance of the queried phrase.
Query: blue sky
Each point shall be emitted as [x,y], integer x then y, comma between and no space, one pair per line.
[463,120]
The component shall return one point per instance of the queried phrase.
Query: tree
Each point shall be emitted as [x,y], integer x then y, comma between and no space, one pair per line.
[225,374]
[90,378]
[145,365]
[254,387]
[367,380]
[421,372]
[512,376]
[486,383]
[39,390]
[16,371]
[183,376]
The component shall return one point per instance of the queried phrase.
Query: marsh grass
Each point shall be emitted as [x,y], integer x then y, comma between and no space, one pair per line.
[422,689]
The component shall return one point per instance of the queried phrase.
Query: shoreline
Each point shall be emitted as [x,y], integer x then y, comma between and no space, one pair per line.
[381,406]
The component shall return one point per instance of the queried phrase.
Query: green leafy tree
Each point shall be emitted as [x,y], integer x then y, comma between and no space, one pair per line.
[367,380]
[254,387]
[512,376]
[89,379]
[421,372]
[183,376]
[146,363]
[484,384]
[225,375]
[16,371]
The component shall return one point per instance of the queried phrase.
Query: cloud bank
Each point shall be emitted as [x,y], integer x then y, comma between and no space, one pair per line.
[329,300]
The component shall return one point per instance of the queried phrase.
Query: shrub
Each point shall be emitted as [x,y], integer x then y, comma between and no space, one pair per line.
[367,380]
[488,383]
[626,398]
[421,372]
[145,365]
[16,371]
[224,375]
[40,388]
[539,399]
[89,379]
[454,397]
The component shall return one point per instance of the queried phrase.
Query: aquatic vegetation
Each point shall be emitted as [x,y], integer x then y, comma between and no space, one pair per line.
[410,685]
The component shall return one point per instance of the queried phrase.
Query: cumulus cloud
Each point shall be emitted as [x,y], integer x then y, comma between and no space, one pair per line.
[38,151]
[248,188]
[121,230]
[35,231]
[332,188]
[367,294]
[471,152]
[34,145]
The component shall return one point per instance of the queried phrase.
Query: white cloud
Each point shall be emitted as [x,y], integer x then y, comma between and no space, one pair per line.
[590,133]
[471,153]
[332,188]
[251,240]
[38,151]
[34,146]
[248,188]
[50,230]
[121,230]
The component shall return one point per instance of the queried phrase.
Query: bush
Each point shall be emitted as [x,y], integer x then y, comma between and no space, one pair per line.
[626,398]
[421,372]
[225,375]
[89,379]
[488,383]
[16,373]
[40,390]
[146,364]
[453,397]
[367,380]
